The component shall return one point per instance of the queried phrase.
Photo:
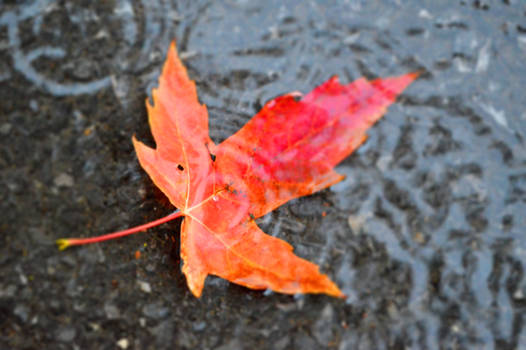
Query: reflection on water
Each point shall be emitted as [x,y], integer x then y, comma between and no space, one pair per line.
[154,19]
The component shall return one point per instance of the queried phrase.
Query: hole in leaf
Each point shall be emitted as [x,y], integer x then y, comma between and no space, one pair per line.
[180,167]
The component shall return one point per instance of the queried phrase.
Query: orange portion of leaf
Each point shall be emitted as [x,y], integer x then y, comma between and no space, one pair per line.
[288,150]
[181,161]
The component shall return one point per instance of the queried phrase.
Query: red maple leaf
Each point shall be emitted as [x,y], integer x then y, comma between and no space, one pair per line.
[287,150]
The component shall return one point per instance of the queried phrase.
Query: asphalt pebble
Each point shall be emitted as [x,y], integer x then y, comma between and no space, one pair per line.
[66,334]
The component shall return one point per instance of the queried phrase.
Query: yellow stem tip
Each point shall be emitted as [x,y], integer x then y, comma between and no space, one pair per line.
[62,243]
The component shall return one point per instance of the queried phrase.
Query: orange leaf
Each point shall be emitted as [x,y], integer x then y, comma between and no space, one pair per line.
[287,150]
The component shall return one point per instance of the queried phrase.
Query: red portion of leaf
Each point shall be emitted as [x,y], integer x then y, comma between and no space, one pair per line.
[288,150]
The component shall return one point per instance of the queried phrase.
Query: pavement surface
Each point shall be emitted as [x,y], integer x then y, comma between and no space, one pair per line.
[426,235]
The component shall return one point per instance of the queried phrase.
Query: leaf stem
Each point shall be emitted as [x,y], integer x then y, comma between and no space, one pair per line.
[64,243]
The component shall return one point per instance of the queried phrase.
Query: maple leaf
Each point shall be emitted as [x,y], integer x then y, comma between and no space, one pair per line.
[287,150]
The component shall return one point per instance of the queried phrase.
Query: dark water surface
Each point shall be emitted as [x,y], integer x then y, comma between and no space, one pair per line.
[426,235]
